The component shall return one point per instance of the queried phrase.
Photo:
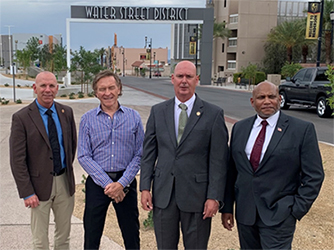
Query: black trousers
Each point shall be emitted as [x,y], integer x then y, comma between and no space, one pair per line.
[96,207]
[261,236]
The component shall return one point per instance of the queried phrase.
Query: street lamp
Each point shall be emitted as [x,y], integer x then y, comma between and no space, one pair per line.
[123,52]
[332,19]
[150,51]
[155,64]
[10,46]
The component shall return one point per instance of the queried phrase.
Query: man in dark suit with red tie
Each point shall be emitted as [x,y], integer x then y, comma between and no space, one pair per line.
[43,142]
[275,173]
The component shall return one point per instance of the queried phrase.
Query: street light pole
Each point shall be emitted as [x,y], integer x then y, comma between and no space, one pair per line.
[123,62]
[151,47]
[320,32]
[9,45]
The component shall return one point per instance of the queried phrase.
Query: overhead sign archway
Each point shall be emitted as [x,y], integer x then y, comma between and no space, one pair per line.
[154,15]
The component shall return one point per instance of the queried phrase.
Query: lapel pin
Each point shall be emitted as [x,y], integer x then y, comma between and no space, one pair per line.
[198,113]
[63,111]
[279,129]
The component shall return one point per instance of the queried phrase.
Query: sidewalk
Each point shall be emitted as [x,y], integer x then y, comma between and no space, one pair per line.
[14,217]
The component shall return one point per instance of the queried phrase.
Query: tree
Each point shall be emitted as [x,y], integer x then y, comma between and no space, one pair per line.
[87,63]
[23,57]
[101,52]
[274,59]
[249,73]
[33,47]
[330,73]
[45,57]
[220,30]
[59,58]
[290,69]
[289,34]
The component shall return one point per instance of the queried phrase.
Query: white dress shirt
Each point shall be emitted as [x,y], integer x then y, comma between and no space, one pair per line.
[177,111]
[272,121]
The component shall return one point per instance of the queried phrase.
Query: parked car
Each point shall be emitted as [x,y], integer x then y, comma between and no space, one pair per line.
[307,87]
[157,73]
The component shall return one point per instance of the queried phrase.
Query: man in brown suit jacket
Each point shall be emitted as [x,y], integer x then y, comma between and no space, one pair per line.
[41,184]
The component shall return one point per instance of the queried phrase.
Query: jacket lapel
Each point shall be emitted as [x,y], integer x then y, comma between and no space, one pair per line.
[245,133]
[36,118]
[168,113]
[62,119]
[281,127]
[195,115]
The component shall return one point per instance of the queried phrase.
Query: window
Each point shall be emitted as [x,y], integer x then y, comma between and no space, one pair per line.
[300,75]
[224,3]
[232,42]
[142,57]
[231,64]
[321,76]
[234,18]
[220,68]
[223,47]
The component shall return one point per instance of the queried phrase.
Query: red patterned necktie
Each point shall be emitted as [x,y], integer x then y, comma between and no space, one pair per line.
[257,148]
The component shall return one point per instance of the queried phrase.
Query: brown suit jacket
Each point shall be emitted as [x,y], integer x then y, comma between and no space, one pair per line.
[30,151]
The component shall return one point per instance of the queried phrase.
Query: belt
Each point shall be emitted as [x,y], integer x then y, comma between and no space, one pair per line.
[115,176]
[58,174]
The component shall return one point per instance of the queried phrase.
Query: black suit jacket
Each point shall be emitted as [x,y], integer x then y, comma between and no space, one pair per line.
[288,179]
[196,168]
[31,154]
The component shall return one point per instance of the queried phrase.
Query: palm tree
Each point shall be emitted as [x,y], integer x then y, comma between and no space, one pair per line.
[101,52]
[327,28]
[220,30]
[289,34]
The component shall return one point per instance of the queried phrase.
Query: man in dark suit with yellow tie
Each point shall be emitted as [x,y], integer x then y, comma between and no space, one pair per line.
[275,173]
[185,161]
[42,148]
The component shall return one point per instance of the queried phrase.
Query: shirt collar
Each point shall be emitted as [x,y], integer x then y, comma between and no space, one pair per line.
[99,109]
[272,120]
[189,102]
[43,109]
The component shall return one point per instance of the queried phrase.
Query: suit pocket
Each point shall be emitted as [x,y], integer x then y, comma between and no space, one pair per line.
[201,178]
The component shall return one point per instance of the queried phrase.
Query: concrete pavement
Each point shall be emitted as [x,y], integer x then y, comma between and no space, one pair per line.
[14,217]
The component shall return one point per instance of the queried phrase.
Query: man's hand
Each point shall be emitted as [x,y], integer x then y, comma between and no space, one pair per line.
[146,200]
[115,191]
[228,221]
[32,201]
[210,208]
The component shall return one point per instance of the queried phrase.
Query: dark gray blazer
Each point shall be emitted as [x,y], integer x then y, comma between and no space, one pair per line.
[288,179]
[196,167]
[30,151]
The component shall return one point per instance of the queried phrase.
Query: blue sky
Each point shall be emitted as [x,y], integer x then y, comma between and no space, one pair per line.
[49,17]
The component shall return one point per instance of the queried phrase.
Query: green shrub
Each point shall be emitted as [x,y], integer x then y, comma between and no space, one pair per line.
[289,70]
[18,101]
[72,94]
[4,101]
[81,95]
[19,86]
[260,77]
[91,94]
[63,95]
[148,223]
[6,84]
[71,97]
[62,87]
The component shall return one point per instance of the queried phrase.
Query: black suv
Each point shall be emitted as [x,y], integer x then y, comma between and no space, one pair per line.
[307,87]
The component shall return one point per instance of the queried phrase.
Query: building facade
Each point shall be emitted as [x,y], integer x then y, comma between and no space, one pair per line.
[250,21]
[9,46]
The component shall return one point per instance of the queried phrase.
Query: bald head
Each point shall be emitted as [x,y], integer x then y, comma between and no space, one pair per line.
[265,99]
[46,88]
[189,65]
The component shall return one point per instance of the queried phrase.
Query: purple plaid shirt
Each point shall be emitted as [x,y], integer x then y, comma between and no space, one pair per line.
[110,144]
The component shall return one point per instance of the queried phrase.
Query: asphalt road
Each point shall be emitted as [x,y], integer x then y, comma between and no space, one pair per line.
[235,103]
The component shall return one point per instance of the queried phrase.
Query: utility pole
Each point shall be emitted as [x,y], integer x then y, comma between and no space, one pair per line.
[151,47]
[320,32]
[10,45]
